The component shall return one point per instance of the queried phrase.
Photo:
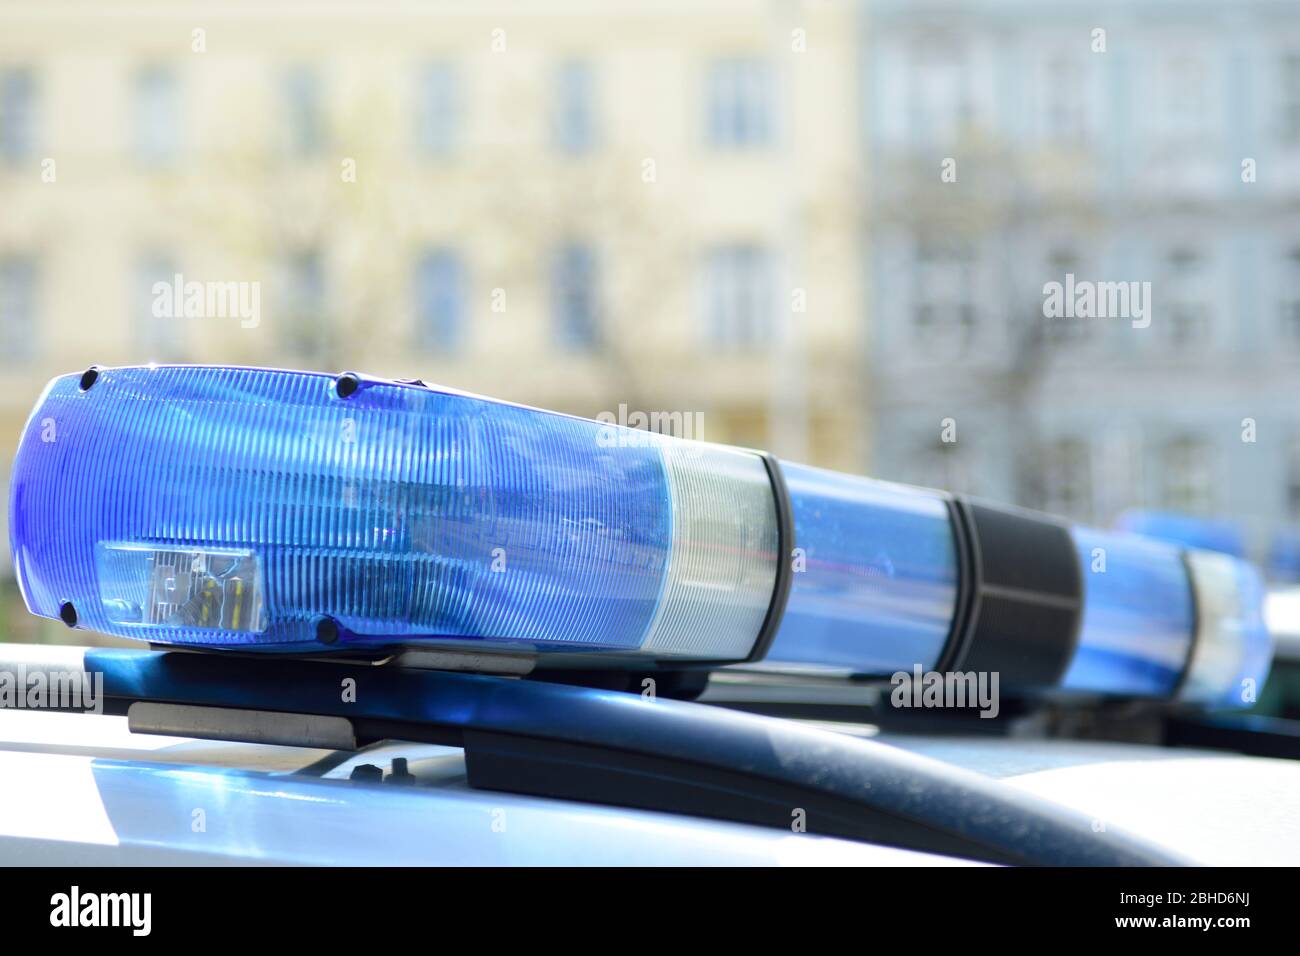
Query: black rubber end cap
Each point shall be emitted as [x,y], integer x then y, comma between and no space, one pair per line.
[1027,601]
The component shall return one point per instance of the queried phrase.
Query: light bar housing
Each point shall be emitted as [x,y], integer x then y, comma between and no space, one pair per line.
[302,512]
[253,509]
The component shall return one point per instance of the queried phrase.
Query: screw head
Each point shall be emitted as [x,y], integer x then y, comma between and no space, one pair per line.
[346,384]
[327,630]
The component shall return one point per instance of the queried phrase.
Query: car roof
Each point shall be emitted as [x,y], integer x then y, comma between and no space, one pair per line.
[572,743]
[82,789]
[1215,808]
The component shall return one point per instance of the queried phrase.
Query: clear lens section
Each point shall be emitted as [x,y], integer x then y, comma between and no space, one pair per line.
[1137,616]
[875,577]
[1233,648]
[206,590]
[723,564]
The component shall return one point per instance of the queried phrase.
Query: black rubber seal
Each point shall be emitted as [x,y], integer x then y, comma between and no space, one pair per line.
[1020,595]
[1181,684]
[785,545]
[965,608]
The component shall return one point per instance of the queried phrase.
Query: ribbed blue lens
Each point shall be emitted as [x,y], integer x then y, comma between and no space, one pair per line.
[875,585]
[237,507]
[1138,615]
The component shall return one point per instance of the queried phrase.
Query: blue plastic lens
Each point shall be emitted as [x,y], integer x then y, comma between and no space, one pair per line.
[1160,620]
[1186,530]
[237,507]
[875,583]
[1138,615]
[1284,557]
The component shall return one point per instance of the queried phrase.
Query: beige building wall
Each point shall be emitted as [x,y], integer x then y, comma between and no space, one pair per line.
[652,196]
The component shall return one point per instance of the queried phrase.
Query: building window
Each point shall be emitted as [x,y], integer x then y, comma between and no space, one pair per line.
[1290,98]
[573,117]
[1185,92]
[17,114]
[1067,478]
[303,106]
[1290,295]
[945,465]
[157,116]
[1293,480]
[739,294]
[939,102]
[944,295]
[159,325]
[574,296]
[440,300]
[740,104]
[1186,472]
[1065,100]
[437,112]
[17,307]
[1187,294]
[305,329]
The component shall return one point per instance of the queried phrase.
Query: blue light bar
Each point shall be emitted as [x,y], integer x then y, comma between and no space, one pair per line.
[302,512]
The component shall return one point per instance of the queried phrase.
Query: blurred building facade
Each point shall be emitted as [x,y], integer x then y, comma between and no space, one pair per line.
[582,207]
[822,227]
[1013,144]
